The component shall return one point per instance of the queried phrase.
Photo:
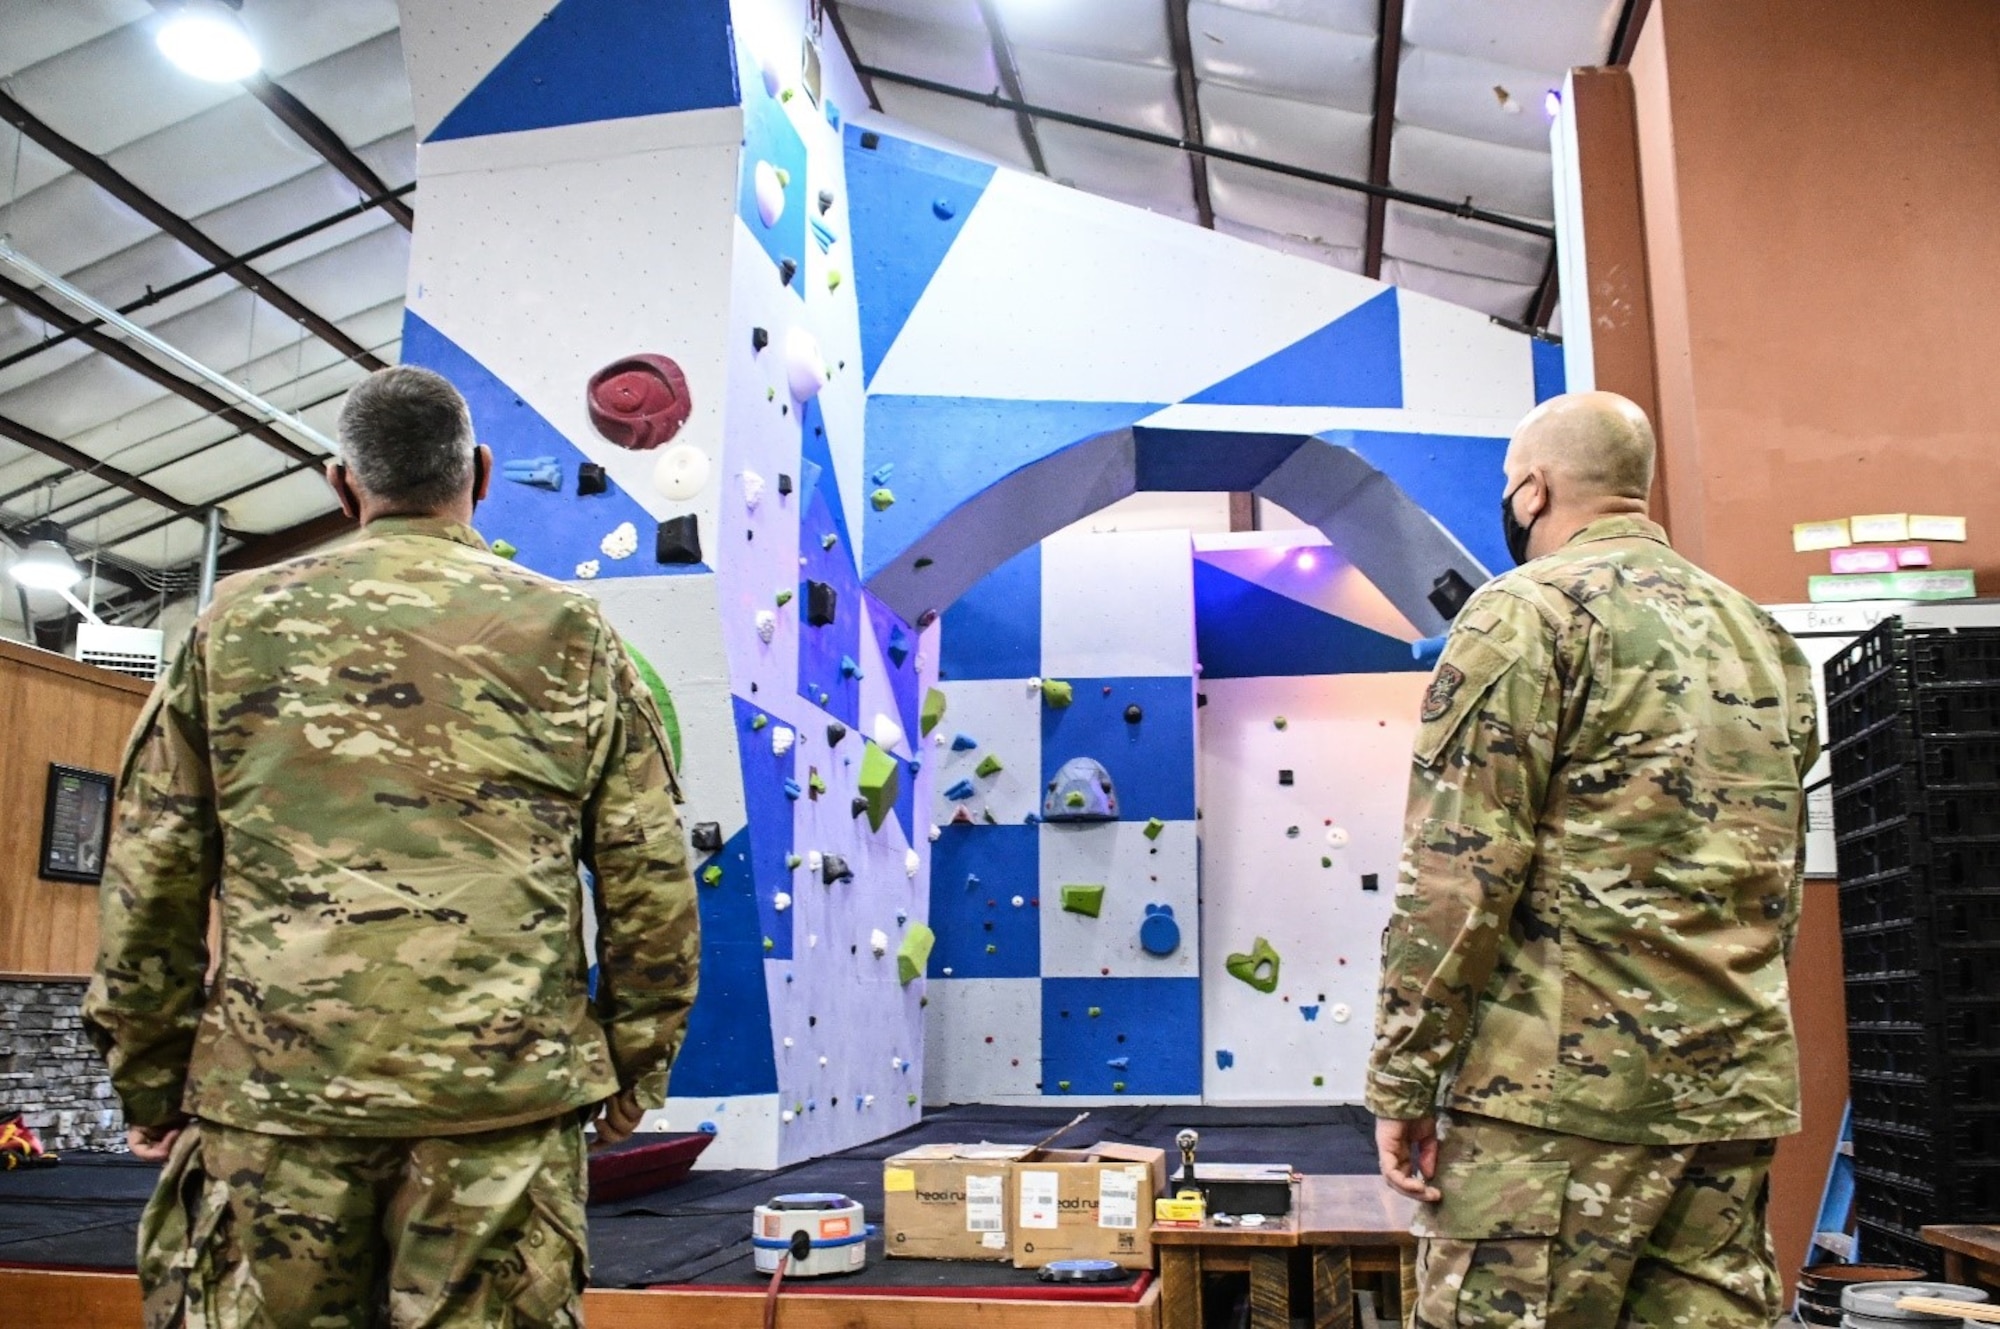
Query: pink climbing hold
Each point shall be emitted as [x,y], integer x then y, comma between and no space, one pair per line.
[639,402]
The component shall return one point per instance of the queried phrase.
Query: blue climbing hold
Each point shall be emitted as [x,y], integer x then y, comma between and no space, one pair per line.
[849,669]
[708,1128]
[964,743]
[1310,1012]
[944,209]
[899,646]
[971,881]
[1160,934]
[1426,648]
[880,475]
[1120,1063]
[960,791]
[541,472]
[1224,1059]
[792,790]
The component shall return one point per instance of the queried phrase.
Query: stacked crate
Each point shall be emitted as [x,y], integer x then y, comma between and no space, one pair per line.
[1914,721]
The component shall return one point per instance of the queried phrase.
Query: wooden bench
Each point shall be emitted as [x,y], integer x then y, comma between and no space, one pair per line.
[1971,1252]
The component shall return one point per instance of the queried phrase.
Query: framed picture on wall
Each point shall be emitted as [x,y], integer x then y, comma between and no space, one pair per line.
[76,825]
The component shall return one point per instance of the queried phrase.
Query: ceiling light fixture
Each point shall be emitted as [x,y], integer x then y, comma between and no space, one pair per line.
[205,38]
[1552,102]
[46,566]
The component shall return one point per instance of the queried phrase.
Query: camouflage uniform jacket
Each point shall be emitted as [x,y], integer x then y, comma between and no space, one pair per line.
[1603,857]
[387,762]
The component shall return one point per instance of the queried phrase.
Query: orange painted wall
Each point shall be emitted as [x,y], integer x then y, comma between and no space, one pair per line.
[1822,179]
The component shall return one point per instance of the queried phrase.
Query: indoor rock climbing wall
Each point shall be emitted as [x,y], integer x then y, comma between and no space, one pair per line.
[1068,952]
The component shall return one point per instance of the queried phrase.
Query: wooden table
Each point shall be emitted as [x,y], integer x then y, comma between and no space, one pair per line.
[1349,1225]
[1187,1253]
[1971,1253]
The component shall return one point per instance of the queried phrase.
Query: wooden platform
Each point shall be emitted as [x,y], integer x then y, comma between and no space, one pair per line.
[54,1299]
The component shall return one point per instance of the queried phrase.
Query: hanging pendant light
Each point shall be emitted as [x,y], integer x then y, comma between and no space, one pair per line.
[206,39]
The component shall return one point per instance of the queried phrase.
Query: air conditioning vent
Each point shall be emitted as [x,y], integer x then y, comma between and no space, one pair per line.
[134,651]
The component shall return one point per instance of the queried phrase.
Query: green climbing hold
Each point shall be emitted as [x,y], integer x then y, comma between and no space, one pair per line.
[1153,828]
[990,765]
[711,875]
[1063,1085]
[759,720]
[1319,1082]
[914,953]
[1259,968]
[1325,862]
[816,782]
[1074,799]
[770,945]
[881,784]
[661,698]
[1117,1086]
[1086,900]
[829,540]
[991,949]
[1096,1011]
[770,394]
[1280,723]
[882,500]
[1057,693]
[933,712]
[784,176]
[833,279]
[909,1100]
[503,548]
[784,598]
[793,860]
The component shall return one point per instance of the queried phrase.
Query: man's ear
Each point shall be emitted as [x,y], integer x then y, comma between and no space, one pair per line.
[343,490]
[482,472]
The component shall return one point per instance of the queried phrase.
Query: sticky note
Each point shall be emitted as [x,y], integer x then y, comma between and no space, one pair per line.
[898,1180]
[1880,528]
[1811,536]
[1951,529]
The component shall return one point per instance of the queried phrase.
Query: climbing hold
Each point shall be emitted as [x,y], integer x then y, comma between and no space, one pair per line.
[1341,1014]
[1063,1085]
[880,784]
[1085,900]
[833,279]
[1280,723]
[815,783]
[805,367]
[678,540]
[537,472]
[1133,714]
[878,942]
[792,861]
[989,765]
[823,235]
[1325,862]
[711,875]
[706,837]
[782,740]
[1019,900]
[1080,778]
[1057,694]
[913,953]
[944,210]
[1160,933]
[933,711]
[913,863]
[923,563]
[783,597]
[829,540]
[887,732]
[882,500]
[834,868]
[1284,777]
[813,860]
[1259,968]
[1291,832]
[835,731]
[822,603]
[992,949]
[1096,1011]
[638,402]
[936,832]
[1369,882]
[770,945]
[961,791]
[781,902]
[1337,837]
[787,1116]
[825,201]
[590,479]
[1117,1086]
[759,722]
[770,193]
[759,339]
[504,548]
[1310,1012]
[857,806]
[1120,1063]
[788,268]
[622,542]
[1153,828]
[963,743]
[1224,1059]
[752,485]
[767,626]
[849,669]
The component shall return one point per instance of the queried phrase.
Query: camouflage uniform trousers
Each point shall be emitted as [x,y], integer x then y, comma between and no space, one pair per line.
[247,1230]
[1540,1230]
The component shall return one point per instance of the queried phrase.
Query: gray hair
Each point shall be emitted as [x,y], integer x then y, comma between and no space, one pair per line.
[406,436]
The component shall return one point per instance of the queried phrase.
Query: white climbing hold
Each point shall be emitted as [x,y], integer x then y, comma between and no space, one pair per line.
[936,831]
[947,971]
[887,732]
[822,1061]
[770,194]
[788,1042]
[782,740]
[586,569]
[1337,836]
[812,940]
[769,70]
[1034,687]
[895,1063]
[1019,901]
[813,860]
[1340,1013]
[805,367]
[913,863]
[753,488]
[878,942]
[767,628]
[781,901]
[681,472]
[786,1116]
[623,542]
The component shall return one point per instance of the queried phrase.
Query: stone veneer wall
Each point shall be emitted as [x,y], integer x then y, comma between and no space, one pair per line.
[49,1072]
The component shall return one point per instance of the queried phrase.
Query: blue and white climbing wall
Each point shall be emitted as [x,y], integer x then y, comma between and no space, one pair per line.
[1067,961]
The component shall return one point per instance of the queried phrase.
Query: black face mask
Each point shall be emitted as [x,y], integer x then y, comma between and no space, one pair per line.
[1516,533]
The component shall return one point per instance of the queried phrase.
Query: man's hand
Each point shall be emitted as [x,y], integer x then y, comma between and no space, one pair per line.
[152,1144]
[1408,1154]
[619,1119]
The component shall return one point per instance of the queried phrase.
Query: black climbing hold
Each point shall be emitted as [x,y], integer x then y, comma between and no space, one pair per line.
[860,805]
[590,479]
[928,617]
[834,868]
[835,731]
[1284,777]
[1449,594]
[825,201]
[788,268]
[871,140]
[923,563]
[707,837]
[822,604]
[812,1021]
[678,541]
[1133,714]
[759,339]
[784,484]
[1368,882]
[1200,700]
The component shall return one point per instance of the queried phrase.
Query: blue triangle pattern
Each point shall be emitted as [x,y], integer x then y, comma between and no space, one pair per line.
[1356,360]
[1243,630]
[591,60]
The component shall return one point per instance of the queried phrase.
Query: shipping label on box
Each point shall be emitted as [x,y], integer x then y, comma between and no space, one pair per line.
[1087,1204]
[950,1201]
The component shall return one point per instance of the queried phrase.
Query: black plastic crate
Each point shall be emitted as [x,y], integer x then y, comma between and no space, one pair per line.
[1896,1106]
[1877,800]
[1879,952]
[1877,1000]
[1895,1052]
[1878,1243]
[1885,744]
[1920,1149]
[1877,650]
[1886,698]
[1874,850]
[1940,1192]
[1945,710]
[1968,1024]
[1963,865]
[1968,813]
[1948,759]
[1965,919]
[1969,655]
[1875,901]
[1967,1079]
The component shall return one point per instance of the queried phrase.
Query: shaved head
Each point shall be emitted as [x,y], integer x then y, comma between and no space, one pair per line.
[1591,445]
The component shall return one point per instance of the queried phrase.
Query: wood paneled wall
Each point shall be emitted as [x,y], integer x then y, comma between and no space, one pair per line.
[51,710]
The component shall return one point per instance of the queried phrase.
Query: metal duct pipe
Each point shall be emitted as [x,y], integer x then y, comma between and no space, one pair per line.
[211,553]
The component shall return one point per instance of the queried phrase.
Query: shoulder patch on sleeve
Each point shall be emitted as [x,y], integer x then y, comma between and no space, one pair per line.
[1444,686]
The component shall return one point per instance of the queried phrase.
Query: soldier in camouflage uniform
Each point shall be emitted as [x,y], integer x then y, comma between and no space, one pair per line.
[384,766]
[1584,1048]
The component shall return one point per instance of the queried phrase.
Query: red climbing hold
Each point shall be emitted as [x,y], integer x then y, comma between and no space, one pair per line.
[639,402]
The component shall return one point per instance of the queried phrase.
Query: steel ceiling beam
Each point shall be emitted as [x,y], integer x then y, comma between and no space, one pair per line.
[319,136]
[86,464]
[1388,64]
[101,173]
[1462,208]
[1010,79]
[259,550]
[128,355]
[1179,38]
[832,10]
[154,296]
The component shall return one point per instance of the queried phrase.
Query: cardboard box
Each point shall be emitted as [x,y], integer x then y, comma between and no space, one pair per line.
[950,1201]
[1086,1204]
